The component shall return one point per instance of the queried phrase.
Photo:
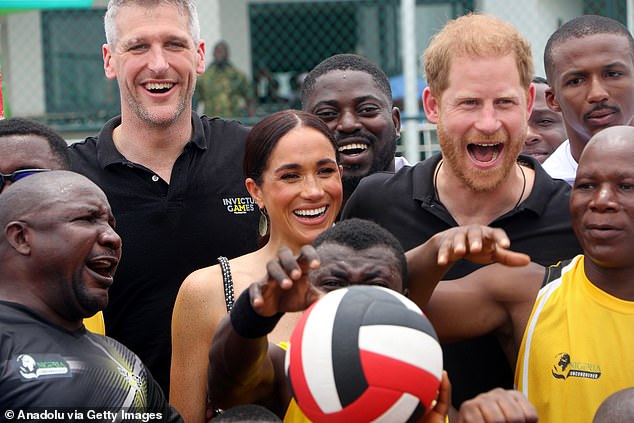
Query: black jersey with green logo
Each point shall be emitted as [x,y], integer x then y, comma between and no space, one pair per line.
[62,375]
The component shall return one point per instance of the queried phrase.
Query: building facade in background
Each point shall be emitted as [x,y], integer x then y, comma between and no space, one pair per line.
[53,70]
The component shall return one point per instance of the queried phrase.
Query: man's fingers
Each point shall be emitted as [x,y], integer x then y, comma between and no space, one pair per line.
[255,293]
[288,263]
[452,247]
[308,258]
[495,236]
[444,395]
[478,243]
[498,405]
[277,273]
[511,258]
[462,241]
[528,409]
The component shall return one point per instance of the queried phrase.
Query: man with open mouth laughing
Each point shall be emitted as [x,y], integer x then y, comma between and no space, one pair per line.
[172,177]
[589,62]
[354,98]
[59,252]
[479,71]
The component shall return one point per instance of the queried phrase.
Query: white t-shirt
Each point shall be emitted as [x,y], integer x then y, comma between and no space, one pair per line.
[399,162]
[561,164]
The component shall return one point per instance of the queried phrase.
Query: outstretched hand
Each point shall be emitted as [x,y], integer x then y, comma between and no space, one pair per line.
[498,405]
[479,244]
[285,287]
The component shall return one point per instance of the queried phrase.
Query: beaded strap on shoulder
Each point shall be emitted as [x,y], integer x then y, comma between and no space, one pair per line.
[227,281]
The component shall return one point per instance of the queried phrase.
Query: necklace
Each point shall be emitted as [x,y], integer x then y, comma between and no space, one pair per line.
[435,182]
[519,200]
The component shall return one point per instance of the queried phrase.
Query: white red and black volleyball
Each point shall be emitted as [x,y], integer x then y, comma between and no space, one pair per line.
[363,354]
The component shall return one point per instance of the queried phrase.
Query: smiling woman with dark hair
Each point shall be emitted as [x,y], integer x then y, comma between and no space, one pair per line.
[292,173]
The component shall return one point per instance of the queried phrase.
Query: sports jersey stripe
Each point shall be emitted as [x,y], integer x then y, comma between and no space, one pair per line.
[132,390]
[542,297]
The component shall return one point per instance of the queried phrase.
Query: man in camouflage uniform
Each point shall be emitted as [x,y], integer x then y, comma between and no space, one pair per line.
[224,89]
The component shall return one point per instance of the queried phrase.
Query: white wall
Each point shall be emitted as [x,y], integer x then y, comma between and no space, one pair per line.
[535,19]
[210,32]
[234,27]
[23,69]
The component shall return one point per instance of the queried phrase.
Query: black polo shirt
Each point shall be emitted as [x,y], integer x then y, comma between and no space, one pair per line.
[169,230]
[405,204]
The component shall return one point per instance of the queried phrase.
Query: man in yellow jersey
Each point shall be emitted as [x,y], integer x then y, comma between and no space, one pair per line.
[29,147]
[244,368]
[566,328]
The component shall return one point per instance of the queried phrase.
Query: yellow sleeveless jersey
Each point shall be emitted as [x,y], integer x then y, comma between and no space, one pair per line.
[577,349]
[95,323]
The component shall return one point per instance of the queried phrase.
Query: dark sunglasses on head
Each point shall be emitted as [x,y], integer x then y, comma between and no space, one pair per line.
[17,175]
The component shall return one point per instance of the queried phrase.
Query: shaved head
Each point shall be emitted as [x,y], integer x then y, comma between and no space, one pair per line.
[38,191]
[617,408]
[59,249]
[621,136]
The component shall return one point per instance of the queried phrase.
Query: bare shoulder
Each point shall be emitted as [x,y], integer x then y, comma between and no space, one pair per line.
[247,269]
[201,291]
[201,280]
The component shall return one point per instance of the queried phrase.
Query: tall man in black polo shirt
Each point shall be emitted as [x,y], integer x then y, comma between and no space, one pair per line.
[174,179]
[479,71]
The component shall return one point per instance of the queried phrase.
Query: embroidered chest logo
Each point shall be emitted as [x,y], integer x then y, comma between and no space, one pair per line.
[239,205]
[41,366]
[564,367]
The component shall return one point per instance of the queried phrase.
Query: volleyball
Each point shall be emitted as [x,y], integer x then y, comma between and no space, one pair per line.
[363,354]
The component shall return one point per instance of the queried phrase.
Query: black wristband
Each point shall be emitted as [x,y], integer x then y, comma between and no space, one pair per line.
[246,322]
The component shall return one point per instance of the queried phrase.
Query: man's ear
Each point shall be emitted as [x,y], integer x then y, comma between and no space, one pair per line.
[200,52]
[18,236]
[430,105]
[108,66]
[551,100]
[396,118]
[530,99]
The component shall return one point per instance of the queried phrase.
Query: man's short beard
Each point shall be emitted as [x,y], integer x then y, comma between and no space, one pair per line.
[380,163]
[476,179]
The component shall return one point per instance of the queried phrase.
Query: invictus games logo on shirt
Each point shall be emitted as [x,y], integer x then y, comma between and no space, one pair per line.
[239,205]
[41,366]
[564,368]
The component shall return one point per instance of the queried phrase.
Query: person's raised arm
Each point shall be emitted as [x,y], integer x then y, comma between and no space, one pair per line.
[428,263]
[243,367]
[495,298]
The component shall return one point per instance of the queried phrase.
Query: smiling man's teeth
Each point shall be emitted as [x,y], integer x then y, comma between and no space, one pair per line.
[158,86]
[484,152]
[348,147]
[102,267]
[101,263]
[310,213]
